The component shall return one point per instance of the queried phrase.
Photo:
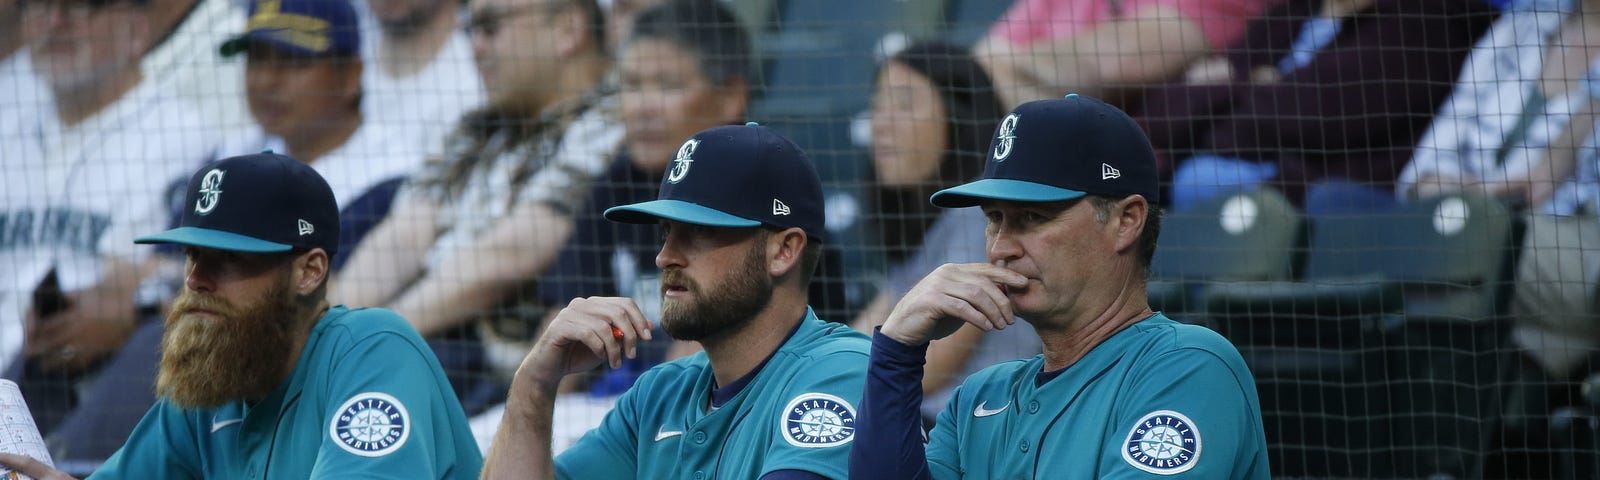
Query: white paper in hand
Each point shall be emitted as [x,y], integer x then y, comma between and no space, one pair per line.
[18,434]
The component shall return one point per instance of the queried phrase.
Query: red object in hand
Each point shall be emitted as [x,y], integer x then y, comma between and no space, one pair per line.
[616,333]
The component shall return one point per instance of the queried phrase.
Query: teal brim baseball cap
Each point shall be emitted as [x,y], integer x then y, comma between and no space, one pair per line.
[656,210]
[1062,149]
[261,203]
[736,176]
[220,240]
[970,194]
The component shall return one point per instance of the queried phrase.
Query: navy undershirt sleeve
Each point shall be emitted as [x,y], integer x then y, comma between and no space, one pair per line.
[889,440]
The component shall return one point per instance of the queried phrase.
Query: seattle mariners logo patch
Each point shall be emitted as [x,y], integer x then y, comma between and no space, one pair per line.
[1005,136]
[371,424]
[818,420]
[1164,442]
[210,191]
[680,165]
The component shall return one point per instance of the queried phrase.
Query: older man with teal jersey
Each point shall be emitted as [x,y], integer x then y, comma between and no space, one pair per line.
[1121,391]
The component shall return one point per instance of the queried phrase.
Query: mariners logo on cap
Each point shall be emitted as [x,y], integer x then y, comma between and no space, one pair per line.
[371,424]
[1005,136]
[210,192]
[1164,442]
[818,420]
[680,165]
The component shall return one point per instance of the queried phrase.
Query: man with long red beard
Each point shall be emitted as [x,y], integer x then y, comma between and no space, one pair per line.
[771,397]
[260,377]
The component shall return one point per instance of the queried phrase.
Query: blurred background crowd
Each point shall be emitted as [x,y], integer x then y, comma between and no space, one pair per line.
[1389,206]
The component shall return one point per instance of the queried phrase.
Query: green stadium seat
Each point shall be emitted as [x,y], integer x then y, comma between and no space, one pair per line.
[1378,361]
[1248,236]
[1575,434]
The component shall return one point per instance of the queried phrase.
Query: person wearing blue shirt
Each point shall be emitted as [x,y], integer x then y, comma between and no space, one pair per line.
[772,396]
[1069,190]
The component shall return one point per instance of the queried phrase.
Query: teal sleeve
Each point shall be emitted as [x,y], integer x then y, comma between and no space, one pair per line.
[944,442]
[384,374]
[1187,402]
[163,445]
[610,450]
[830,386]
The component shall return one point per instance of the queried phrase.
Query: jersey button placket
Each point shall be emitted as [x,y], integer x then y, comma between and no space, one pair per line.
[699,475]
[1023,445]
[699,438]
[1033,406]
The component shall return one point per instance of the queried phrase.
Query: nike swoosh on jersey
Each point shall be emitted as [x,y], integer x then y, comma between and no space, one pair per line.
[219,425]
[981,412]
[665,434]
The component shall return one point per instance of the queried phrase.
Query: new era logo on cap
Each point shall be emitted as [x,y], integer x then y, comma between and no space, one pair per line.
[1067,148]
[256,203]
[736,170]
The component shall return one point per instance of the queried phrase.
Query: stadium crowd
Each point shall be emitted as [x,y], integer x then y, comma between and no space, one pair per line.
[472,147]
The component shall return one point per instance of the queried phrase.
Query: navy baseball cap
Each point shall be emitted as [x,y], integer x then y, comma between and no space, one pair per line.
[258,203]
[1061,149]
[736,176]
[308,28]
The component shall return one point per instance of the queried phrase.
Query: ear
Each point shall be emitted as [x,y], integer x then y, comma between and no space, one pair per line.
[353,68]
[1129,215]
[309,270]
[784,250]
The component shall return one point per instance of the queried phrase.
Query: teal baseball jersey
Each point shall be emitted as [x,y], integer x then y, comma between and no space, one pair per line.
[367,399]
[797,413]
[1158,398]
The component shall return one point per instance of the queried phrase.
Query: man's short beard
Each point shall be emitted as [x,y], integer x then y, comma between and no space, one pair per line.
[208,361]
[726,308]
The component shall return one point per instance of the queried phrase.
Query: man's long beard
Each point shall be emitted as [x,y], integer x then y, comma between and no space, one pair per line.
[207,361]
[727,308]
